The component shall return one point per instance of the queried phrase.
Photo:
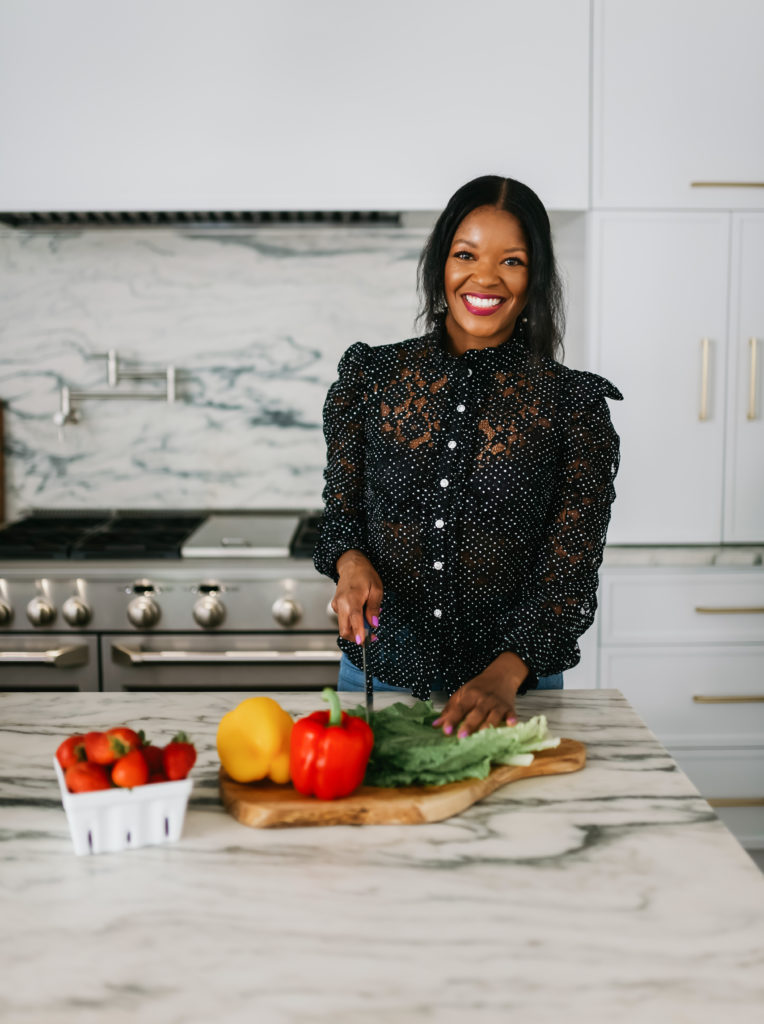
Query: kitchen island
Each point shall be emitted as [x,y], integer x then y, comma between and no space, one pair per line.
[613,893]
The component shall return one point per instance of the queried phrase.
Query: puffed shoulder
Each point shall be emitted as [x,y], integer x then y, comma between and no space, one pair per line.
[583,389]
[354,359]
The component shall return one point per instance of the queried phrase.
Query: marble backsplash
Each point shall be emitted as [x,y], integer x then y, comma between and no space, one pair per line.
[255,320]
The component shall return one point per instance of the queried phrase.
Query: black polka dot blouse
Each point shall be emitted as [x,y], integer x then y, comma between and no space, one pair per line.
[480,488]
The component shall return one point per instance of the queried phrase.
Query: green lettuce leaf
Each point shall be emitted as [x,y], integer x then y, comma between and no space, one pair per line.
[408,751]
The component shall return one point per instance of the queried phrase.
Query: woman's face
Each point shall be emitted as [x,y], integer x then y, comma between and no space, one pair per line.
[486,278]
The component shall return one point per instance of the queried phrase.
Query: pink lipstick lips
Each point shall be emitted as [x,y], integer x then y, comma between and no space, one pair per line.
[487,303]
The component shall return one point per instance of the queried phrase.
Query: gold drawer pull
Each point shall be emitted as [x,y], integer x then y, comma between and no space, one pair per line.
[727,184]
[753,698]
[752,610]
[739,801]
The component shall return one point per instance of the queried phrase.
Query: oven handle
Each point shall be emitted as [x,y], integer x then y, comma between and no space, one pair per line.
[131,656]
[57,657]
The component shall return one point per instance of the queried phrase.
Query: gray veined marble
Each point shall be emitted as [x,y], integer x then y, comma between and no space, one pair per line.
[613,894]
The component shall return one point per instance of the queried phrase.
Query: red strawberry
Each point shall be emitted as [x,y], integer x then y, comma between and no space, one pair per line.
[71,751]
[153,757]
[178,757]
[129,738]
[105,748]
[131,770]
[158,777]
[83,777]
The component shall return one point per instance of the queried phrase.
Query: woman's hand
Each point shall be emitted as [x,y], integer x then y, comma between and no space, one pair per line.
[359,591]
[488,699]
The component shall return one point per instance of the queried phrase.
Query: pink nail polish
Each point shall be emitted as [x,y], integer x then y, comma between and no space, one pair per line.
[374,620]
[463,734]
[374,637]
[358,638]
[436,723]
[511,721]
[448,729]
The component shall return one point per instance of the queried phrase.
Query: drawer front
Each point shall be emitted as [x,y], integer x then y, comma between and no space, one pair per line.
[671,607]
[48,661]
[662,683]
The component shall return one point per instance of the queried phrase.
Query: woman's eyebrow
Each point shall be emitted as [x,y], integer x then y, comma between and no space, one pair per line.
[466,241]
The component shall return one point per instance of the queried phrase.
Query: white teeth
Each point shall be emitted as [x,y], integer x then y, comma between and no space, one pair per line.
[475,301]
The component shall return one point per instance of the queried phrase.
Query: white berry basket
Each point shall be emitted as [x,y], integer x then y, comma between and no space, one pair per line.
[108,820]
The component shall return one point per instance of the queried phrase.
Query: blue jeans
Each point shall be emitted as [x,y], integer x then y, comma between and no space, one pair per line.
[351,679]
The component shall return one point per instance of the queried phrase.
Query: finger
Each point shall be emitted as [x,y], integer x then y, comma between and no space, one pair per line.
[374,605]
[477,716]
[455,710]
[495,717]
[350,616]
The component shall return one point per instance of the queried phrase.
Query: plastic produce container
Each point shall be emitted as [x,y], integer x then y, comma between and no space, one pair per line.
[108,820]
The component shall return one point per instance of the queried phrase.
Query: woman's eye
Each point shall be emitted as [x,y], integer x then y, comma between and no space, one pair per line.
[514,261]
[458,255]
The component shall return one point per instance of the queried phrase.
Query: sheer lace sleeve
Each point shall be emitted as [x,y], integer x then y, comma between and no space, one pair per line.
[559,600]
[342,526]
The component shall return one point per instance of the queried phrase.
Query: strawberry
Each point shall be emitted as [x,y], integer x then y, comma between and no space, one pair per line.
[131,770]
[158,777]
[105,748]
[71,751]
[153,757]
[83,777]
[129,738]
[178,757]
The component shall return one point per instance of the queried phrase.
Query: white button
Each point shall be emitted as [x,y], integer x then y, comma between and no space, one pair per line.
[437,565]
[452,444]
[437,613]
[460,408]
[444,482]
[469,372]
[439,524]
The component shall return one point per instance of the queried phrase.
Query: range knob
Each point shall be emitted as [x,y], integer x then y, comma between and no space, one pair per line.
[286,611]
[41,612]
[6,613]
[143,611]
[76,611]
[209,611]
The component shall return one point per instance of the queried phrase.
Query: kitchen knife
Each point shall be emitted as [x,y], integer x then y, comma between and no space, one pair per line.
[367,676]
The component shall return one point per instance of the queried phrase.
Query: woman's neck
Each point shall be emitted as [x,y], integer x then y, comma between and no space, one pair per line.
[458,341]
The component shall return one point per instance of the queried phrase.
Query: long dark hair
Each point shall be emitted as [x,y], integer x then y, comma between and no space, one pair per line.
[545,309]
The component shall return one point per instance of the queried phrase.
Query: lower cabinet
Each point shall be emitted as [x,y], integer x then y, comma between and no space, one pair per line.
[686,648]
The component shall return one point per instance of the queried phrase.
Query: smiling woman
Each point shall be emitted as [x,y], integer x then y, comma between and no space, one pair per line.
[469,474]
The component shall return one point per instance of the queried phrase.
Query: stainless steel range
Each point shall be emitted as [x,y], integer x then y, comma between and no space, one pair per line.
[178,600]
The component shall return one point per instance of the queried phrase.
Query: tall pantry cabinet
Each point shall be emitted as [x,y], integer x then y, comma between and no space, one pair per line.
[676,320]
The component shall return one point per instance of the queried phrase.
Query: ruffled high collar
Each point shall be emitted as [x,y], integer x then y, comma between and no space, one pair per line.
[515,349]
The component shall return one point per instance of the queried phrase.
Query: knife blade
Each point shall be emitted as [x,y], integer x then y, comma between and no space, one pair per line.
[367,676]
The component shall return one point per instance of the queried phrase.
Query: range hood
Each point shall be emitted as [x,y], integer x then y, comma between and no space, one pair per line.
[198,218]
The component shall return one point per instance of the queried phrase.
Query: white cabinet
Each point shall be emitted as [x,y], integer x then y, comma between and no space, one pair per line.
[194,105]
[686,648]
[664,332]
[678,99]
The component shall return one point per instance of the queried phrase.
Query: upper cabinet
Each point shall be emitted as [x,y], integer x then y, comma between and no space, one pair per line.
[194,105]
[678,104]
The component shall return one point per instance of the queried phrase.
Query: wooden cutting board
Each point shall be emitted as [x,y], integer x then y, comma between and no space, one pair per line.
[269,805]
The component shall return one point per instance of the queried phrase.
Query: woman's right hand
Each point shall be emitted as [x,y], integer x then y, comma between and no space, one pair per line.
[359,591]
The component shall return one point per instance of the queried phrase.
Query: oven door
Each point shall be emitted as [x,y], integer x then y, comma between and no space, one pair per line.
[198,661]
[48,661]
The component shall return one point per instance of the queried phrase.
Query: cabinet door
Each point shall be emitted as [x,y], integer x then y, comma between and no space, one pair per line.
[744,493]
[678,98]
[189,105]
[658,288]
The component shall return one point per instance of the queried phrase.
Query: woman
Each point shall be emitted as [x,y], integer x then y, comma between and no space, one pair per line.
[469,475]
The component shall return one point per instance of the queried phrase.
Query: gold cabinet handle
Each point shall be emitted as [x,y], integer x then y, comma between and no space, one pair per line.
[727,184]
[751,610]
[745,698]
[737,801]
[752,381]
[705,346]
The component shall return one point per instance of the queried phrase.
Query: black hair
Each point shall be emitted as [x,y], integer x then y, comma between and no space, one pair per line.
[544,309]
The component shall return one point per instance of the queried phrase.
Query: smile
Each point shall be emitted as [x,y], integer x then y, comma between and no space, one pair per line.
[482,305]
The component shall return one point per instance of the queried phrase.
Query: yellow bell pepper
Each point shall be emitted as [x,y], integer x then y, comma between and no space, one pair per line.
[253,741]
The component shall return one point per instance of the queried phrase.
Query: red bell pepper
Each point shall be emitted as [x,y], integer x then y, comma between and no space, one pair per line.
[329,751]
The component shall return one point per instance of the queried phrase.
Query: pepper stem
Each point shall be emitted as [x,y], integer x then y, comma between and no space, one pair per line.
[335,711]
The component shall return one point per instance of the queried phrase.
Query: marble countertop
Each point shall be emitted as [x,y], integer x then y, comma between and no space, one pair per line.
[611,894]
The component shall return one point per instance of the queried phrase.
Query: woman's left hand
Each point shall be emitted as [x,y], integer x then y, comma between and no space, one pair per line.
[488,699]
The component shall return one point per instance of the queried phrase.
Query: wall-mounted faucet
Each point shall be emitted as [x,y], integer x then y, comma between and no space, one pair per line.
[114,374]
